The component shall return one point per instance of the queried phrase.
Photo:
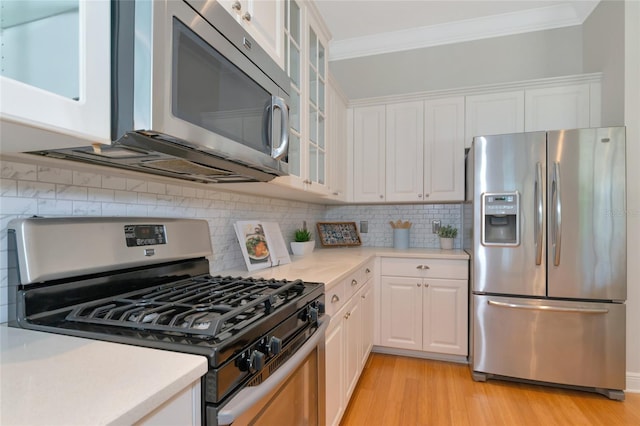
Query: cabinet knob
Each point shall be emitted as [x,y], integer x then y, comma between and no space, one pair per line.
[426,285]
[363,296]
[347,315]
[381,197]
[246,16]
[354,282]
[426,195]
[335,298]
[236,6]
[419,195]
[419,285]
[367,270]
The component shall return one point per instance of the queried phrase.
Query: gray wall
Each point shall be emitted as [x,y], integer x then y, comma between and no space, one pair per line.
[540,54]
[603,51]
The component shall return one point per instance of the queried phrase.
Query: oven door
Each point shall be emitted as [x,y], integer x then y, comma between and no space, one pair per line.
[293,395]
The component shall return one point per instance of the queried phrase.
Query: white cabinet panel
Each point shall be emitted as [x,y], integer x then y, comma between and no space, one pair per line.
[55,76]
[444,149]
[555,108]
[404,151]
[369,153]
[423,313]
[445,316]
[334,360]
[493,114]
[263,20]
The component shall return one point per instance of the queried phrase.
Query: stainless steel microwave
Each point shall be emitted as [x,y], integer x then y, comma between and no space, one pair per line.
[193,96]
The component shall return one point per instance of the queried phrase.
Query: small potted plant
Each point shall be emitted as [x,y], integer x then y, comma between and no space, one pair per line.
[447,234]
[302,243]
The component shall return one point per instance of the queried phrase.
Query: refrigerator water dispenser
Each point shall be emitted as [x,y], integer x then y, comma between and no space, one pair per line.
[501,219]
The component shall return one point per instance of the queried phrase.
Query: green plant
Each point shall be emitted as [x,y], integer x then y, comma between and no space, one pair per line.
[302,235]
[447,231]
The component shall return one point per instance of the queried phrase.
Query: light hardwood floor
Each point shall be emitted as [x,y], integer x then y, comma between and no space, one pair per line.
[396,390]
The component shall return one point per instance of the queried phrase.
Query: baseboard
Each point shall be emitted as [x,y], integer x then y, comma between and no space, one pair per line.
[420,354]
[633,383]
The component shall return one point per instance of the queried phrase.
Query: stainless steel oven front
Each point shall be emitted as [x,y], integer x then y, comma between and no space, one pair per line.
[292,395]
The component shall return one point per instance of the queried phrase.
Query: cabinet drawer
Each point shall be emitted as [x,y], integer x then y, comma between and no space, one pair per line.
[335,298]
[424,268]
[354,281]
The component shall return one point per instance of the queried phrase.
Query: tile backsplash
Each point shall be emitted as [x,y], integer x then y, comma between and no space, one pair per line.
[31,189]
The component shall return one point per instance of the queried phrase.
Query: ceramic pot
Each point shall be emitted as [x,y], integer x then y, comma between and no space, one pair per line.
[302,248]
[446,243]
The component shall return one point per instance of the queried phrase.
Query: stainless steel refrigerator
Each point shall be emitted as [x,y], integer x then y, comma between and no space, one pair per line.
[546,230]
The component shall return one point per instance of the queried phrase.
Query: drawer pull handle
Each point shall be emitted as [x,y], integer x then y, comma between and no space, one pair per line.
[367,270]
[335,298]
[422,267]
[548,308]
[419,285]
[354,282]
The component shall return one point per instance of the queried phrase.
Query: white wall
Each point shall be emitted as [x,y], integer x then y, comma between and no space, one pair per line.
[603,51]
[632,121]
[527,56]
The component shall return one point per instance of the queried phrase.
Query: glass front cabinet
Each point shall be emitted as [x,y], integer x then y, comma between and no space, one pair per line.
[54,74]
[305,59]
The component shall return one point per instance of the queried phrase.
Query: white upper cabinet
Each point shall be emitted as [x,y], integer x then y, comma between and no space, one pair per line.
[494,114]
[336,143]
[444,149]
[369,154]
[554,108]
[404,151]
[55,74]
[263,19]
[306,62]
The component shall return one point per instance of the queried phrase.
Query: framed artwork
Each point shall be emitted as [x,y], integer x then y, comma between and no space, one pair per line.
[338,234]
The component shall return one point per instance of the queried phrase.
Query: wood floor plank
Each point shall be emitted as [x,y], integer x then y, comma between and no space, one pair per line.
[395,390]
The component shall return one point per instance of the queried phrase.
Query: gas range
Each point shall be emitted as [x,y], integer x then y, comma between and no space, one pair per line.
[146,282]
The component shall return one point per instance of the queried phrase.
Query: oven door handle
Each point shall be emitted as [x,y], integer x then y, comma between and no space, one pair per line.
[250,396]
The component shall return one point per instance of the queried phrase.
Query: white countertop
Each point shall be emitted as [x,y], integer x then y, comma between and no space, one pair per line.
[330,265]
[53,379]
[60,380]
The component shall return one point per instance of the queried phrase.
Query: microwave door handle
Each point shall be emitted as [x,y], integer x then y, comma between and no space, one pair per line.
[281,150]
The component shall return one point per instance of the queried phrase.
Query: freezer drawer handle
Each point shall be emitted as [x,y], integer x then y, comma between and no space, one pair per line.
[548,308]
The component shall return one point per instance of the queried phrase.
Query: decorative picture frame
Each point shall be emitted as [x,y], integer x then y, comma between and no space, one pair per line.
[338,234]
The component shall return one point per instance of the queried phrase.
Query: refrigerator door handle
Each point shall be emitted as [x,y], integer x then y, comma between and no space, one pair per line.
[547,308]
[557,200]
[539,213]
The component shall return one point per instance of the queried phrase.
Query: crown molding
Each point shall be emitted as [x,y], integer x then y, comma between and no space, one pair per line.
[545,18]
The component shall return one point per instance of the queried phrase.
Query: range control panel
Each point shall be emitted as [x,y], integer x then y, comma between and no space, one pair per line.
[145,235]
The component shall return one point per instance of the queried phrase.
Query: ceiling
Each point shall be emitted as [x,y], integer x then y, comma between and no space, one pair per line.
[370,27]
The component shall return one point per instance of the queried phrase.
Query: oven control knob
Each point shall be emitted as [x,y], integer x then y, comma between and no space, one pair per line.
[313,315]
[275,345]
[256,361]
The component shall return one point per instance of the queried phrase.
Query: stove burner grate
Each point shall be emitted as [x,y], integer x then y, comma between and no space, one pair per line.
[203,306]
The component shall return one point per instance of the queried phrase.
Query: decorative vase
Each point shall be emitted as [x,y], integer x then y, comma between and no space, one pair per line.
[446,243]
[302,248]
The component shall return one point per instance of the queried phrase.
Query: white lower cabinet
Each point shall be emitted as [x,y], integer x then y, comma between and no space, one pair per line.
[423,305]
[348,341]
[181,409]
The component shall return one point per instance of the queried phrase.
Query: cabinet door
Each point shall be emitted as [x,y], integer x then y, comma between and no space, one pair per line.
[316,102]
[336,143]
[557,108]
[445,316]
[493,114]
[404,153]
[444,149]
[55,73]
[368,153]
[367,303]
[263,19]
[401,312]
[335,372]
[353,338]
